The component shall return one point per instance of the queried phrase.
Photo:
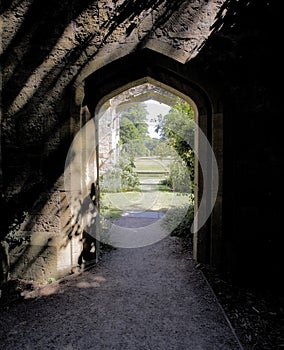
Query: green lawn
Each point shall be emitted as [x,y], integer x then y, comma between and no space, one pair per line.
[144,201]
[154,164]
[152,196]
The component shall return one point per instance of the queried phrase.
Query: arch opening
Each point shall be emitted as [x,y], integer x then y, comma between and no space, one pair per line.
[149,67]
[145,180]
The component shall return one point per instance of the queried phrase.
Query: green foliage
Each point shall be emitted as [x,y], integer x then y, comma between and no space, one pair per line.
[177,129]
[129,178]
[163,149]
[51,280]
[133,123]
[151,144]
[179,220]
[134,130]
[128,131]
[15,237]
[121,177]
[179,178]
[137,114]
[135,148]
[110,180]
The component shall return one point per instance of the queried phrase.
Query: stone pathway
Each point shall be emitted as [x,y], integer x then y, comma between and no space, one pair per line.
[149,298]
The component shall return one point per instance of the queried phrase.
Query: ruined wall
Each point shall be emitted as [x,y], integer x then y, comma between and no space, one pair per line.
[50,48]
[109,119]
[108,136]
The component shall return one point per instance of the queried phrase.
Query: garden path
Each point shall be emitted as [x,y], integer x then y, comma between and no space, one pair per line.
[149,298]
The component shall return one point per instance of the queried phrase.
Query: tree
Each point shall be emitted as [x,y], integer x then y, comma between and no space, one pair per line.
[177,128]
[134,129]
[151,144]
[128,131]
[137,114]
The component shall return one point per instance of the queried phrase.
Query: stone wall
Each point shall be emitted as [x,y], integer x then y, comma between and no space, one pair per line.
[48,49]
[223,51]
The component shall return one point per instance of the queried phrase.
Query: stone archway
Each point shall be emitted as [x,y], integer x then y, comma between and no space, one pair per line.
[147,66]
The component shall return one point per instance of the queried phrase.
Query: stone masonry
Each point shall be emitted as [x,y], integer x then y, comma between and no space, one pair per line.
[61,61]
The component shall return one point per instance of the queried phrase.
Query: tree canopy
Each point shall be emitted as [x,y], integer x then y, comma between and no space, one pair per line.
[177,129]
[134,129]
[137,114]
[128,131]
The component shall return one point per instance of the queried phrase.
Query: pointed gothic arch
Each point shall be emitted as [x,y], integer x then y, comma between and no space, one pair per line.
[181,80]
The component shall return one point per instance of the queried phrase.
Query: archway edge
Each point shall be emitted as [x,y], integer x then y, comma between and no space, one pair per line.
[152,81]
[140,67]
[184,80]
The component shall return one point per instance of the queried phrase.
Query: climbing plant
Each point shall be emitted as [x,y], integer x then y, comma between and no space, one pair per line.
[177,129]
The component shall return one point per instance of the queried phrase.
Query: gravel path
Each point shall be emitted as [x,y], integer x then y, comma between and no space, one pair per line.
[150,298]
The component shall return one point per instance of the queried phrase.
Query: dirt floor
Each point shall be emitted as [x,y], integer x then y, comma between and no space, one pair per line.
[257,315]
[257,318]
[145,298]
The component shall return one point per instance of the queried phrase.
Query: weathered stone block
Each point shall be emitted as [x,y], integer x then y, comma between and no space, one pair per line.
[45,256]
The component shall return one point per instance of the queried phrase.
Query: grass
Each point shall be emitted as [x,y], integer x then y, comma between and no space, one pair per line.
[151,201]
[152,164]
[177,209]
[153,195]
[111,213]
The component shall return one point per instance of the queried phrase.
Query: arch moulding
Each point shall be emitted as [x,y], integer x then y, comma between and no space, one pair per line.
[148,66]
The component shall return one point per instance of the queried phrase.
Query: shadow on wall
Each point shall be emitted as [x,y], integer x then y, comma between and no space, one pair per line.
[39,69]
[36,104]
[36,98]
[42,255]
[32,46]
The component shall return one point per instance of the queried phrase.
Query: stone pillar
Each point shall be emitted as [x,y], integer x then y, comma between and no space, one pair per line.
[201,237]
[217,244]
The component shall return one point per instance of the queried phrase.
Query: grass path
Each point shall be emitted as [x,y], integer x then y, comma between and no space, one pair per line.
[152,197]
[146,201]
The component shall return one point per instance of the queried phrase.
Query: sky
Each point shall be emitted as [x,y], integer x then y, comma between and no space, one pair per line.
[155,108]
